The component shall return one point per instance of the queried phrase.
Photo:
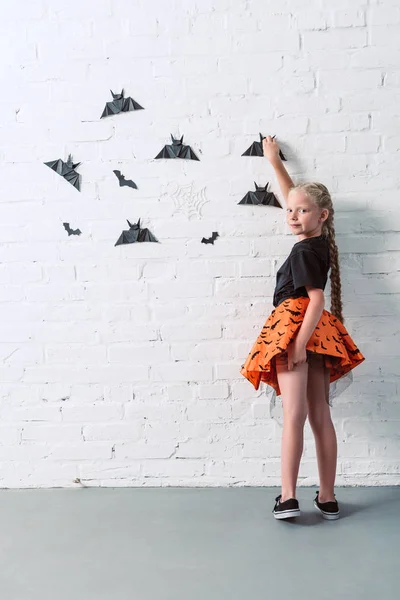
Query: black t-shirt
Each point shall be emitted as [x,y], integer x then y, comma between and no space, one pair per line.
[307,264]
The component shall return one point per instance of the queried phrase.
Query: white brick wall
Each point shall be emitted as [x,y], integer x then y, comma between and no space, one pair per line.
[120,366]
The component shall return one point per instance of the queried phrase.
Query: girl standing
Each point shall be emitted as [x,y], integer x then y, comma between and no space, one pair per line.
[302,347]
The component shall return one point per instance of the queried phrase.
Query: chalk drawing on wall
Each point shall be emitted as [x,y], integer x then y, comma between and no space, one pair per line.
[186,199]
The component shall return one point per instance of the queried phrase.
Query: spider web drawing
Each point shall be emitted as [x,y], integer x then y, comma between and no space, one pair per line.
[186,199]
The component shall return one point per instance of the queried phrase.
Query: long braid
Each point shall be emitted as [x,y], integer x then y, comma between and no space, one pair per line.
[336,285]
[319,194]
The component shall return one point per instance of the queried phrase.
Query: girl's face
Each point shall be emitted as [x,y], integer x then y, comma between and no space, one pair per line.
[303,216]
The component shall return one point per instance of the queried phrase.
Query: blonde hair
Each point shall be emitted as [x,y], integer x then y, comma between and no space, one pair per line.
[320,195]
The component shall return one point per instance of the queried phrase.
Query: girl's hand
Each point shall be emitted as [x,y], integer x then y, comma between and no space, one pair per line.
[271,149]
[297,354]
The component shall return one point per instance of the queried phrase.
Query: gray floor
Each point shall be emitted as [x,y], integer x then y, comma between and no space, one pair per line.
[196,543]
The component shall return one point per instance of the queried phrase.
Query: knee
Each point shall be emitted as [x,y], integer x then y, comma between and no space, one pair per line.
[295,417]
[320,418]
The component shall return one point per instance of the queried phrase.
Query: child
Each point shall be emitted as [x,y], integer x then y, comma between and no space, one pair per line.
[302,347]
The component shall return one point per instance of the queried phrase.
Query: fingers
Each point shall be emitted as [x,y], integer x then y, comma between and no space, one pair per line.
[269,140]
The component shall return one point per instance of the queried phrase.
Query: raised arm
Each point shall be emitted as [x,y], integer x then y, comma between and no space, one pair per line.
[271,151]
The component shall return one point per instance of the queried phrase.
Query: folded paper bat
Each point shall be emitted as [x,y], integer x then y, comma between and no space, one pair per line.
[210,240]
[256,149]
[71,231]
[260,196]
[120,104]
[66,170]
[125,182]
[177,150]
[135,234]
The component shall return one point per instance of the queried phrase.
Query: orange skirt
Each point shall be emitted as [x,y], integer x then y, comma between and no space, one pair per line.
[330,338]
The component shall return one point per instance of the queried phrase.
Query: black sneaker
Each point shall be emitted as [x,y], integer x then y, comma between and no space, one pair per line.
[329,510]
[287,509]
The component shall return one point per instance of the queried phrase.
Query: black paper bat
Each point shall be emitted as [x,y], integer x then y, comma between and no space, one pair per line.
[177,150]
[71,231]
[120,104]
[260,196]
[135,234]
[210,240]
[124,182]
[66,170]
[256,149]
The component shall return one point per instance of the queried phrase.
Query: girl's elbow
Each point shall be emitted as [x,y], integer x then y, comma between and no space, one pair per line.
[316,295]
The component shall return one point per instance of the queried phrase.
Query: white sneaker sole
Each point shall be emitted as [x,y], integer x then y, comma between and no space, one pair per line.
[326,515]
[287,514]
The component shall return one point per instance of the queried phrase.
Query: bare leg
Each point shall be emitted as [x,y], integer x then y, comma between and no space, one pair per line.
[320,420]
[293,385]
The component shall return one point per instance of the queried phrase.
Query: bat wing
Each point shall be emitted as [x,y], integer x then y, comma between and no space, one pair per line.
[130,104]
[71,231]
[117,173]
[271,200]
[249,198]
[56,165]
[126,237]
[211,239]
[120,240]
[254,150]
[167,152]
[146,236]
[111,108]
[73,178]
[187,153]
[130,183]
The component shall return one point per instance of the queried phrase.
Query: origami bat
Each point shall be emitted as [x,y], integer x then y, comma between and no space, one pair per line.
[256,149]
[210,240]
[135,234]
[120,104]
[66,170]
[125,182]
[177,150]
[71,231]
[260,196]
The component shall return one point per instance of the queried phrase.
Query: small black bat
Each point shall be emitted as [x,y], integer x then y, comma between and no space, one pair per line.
[356,351]
[71,231]
[66,170]
[261,196]
[124,182]
[135,234]
[177,150]
[120,104]
[256,149]
[210,240]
